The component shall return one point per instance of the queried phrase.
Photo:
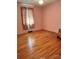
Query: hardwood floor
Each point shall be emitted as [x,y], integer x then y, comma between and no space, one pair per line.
[38,45]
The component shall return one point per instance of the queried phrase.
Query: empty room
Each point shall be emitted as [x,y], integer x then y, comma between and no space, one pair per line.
[38,29]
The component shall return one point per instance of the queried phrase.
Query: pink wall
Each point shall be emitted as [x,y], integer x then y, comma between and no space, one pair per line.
[19,21]
[51,17]
[38,17]
[47,18]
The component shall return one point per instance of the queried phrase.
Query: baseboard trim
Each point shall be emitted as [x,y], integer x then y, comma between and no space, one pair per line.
[28,32]
[50,31]
[35,31]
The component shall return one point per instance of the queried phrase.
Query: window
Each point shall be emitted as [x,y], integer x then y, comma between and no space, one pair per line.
[27,18]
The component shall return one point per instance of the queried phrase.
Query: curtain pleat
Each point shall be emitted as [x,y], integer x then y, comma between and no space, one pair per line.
[27,18]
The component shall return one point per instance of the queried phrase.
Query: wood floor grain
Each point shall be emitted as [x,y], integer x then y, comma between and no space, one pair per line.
[38,45]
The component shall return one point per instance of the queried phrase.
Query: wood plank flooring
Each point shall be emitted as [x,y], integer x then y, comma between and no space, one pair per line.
[38,45]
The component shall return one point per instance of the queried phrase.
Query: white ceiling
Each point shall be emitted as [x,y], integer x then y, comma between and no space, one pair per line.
[35,2]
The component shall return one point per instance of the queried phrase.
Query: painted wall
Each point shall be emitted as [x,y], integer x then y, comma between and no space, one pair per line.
[19,21]
[51,17]
[47,18]
[37,18]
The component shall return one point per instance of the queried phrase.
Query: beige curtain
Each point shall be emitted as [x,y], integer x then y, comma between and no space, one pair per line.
[30,19]
[27,18]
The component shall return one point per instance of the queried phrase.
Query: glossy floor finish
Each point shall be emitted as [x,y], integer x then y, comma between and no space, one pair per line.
[38,45]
